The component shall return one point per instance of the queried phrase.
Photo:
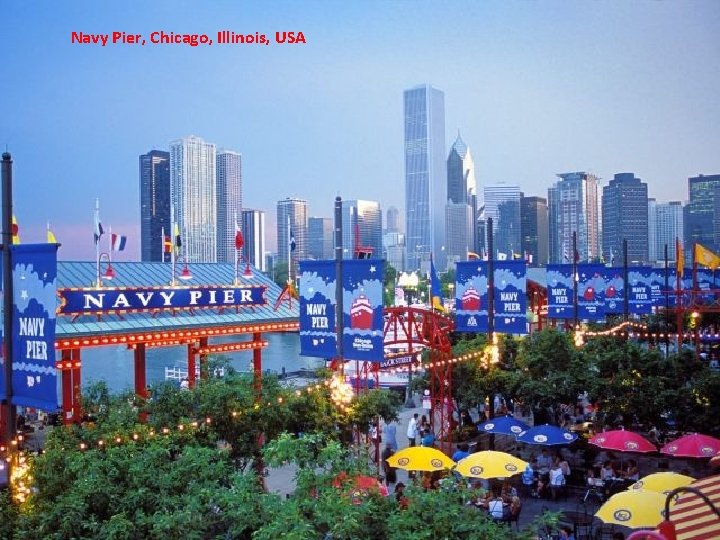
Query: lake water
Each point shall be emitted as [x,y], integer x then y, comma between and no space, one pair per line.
[115,364]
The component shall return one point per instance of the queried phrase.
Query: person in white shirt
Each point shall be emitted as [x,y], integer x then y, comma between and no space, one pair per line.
[412,430]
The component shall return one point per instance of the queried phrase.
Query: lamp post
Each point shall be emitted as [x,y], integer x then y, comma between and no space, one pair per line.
[185,273]
[109,272]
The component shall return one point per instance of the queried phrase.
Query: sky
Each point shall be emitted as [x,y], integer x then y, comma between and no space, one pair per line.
[536,88]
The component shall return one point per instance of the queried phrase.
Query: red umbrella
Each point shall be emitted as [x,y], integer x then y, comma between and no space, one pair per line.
[622,441]
[360,484]
[693,445]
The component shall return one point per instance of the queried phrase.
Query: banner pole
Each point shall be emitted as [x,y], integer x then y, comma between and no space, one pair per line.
[339,286]
[9,411]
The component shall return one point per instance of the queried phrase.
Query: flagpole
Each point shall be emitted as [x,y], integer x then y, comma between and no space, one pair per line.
[626,300]
[679,264]
[110,246]
[236,250]
[575,278]
[667,305]
[97,243]
[289,247]
[173,224]
[162,243]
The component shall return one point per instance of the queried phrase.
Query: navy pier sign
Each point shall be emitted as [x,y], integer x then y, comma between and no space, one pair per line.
[143,299]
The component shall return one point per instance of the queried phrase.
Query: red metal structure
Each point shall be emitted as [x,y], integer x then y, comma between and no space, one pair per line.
[415,331]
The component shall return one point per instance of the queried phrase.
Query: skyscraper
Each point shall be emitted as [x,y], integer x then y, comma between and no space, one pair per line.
[502,203]
[461,210]
[229,202]
[291,217]
[573,208]
[625,217]
[362,227]
[425,176]
[702,212]
[253,229]
[320,238]
[534,229]
[154,204]
[392,224]
[193,183]
[668,220]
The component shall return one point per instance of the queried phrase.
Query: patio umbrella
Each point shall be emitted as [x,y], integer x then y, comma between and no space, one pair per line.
[503,425]
[662,482]
[360,485]
[547,435]
[420,458]
[490,464]
[694,519]
[693,445]
[634,509]
[622,441]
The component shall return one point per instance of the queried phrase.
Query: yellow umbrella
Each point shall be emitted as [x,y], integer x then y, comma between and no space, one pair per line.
[420,458]
[490,464]
[662,482]
[635,509]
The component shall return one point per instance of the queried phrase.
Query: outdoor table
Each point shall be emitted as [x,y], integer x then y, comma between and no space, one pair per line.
[577,519]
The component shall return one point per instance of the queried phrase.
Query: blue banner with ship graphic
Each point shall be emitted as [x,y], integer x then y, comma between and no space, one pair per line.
[317,309]
[34,270]
[510,300]
[614,290]
[560,291]
[363,332]
[591,292]
[471,298]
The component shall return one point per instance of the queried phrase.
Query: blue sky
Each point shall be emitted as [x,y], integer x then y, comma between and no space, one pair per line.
[536,88]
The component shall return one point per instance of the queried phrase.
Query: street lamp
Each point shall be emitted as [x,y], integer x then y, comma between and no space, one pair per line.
[109,272]
[185,273]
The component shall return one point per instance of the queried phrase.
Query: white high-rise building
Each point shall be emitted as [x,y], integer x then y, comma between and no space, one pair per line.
[194,197]
[253,228]
[362,228]
[502,204]
[229,202]
[292,220]
[573,208]
[668,219]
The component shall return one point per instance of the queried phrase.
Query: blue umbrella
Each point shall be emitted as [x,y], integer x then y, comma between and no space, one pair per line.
[547,435]
[503,425]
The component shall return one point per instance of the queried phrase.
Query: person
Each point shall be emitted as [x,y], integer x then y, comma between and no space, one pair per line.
[400,495]
[566,533]
[528,478]
[563,464]
[185,384]
[461,452]
[515,508]
[412,430]
[390,471]
[391,434]
[654,435]
[607,472]
[544,461]
[557,480]
[631,472]
[508,492]
[496,508]
[428,438]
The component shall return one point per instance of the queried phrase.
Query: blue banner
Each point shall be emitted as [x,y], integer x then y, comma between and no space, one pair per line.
[34,269]
[363,328]
[560,291]
[136,299]
[471,298]
[317,309]
[591,292]
[656,280]
[639,290]
[510,300]
[614,290]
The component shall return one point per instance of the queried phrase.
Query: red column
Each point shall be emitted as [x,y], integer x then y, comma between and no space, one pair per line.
[257,366]
[203,359]
[191,364]
[140,375]
[66,381]
[76,385]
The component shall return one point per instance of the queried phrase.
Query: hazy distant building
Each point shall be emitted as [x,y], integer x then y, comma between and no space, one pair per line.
[194,196]
[154,204]
[702,213]
[362,227]
[253,229]
[534,229]
[461,212]
[502,204]
[291,218]
[320,238]
[425,176]
[460,229]
[573,207]
[229,202]
[394,250]
[667,222]
[625,217]
[392,222]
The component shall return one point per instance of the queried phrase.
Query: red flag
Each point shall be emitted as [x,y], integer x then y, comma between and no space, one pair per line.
[167,244]
[239,240]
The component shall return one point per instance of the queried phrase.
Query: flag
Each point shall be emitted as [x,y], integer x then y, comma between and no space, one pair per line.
[516,256]
[706,257]
[565,254]
[528,257]
[167,244]
[472,256]
[577,256]
[239,240]
[15,231]
[117,242]
[679,258]
[501,256]
[50,236]
[485,255]
[612,257]
[98,226]
[293,244]
[435,290]
[178,241]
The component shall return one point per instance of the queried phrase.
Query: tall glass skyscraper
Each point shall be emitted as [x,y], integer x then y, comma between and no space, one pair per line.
[291,217]
[502,203]
[253,228]
[667,219]
[702,212]
[425,176]
[461,210]
[229,202]
[320,238]
[193,183]
[154,204]
[573,207]
[534,228]
[625,217]
[362,227]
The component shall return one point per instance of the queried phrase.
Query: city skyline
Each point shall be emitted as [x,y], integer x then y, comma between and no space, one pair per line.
[530,100]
